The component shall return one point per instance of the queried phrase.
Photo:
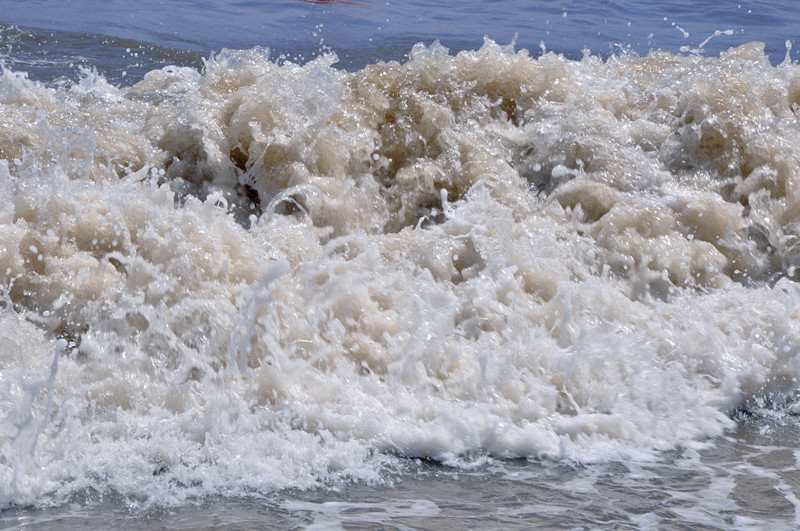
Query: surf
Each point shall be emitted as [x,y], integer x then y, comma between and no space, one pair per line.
[264,275]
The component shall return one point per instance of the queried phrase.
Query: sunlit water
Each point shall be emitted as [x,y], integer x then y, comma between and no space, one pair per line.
[284,265]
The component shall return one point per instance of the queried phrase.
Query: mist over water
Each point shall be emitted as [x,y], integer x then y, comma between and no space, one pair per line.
[272,273]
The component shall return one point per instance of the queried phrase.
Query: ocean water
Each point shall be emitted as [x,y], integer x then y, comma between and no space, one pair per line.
[399,265]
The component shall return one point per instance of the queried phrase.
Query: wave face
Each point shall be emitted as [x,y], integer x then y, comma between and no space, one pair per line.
[269,275]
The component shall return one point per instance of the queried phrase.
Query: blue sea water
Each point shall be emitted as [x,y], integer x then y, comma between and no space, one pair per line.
[369,264]
[361,32]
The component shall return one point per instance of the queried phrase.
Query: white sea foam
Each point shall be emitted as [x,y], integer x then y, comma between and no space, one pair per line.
[278,275]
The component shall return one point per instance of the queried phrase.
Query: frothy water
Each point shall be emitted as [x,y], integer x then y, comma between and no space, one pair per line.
[267,275]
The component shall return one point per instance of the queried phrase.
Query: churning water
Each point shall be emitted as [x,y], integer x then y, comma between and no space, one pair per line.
[474,286]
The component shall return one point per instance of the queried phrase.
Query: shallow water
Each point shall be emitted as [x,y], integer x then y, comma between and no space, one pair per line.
[746,481]
[398,284]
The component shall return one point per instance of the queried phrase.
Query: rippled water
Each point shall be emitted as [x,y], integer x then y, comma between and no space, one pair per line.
[120,37]
[747,481]
[358,280]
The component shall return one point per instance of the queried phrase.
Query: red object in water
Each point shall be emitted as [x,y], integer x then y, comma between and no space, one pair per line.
[329,2]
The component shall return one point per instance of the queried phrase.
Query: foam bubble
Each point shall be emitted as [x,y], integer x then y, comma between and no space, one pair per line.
[279,275]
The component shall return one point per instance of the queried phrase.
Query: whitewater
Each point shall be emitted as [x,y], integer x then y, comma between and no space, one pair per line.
[262,276]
